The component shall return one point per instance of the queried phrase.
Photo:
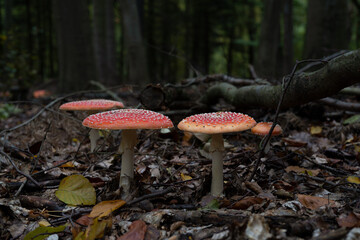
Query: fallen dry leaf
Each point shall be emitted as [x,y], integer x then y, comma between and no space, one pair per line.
[313,202]
[247,202]
[136,231]
[348,220]
[104,208]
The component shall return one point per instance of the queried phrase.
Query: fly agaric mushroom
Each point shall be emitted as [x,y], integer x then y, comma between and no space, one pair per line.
[263,129]
[128,120]
[92,106]
[216,124]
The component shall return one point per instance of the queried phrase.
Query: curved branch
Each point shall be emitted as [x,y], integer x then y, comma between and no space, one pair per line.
[339,73]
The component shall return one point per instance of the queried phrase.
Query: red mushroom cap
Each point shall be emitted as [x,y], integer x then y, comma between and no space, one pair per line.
[91,105]
[217,122]
[263,128]
[128,119]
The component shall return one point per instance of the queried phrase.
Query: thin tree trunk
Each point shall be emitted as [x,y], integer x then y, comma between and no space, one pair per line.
[8,15]
[50,38]
[104,41]
[251,28]
[41,43]
[135,49]
[29,34]
[75,47]
[267,65]
[288,60]
[328,28]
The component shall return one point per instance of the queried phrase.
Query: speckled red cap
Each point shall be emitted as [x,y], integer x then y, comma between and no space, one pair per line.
[128,119]
[263,128]
[217,122]
[91,105]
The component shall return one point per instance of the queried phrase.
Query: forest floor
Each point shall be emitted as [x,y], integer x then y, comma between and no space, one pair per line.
[307,185]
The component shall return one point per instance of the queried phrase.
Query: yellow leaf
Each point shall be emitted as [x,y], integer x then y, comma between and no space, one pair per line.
[104,208]
[44,223]
[315,130]
[97,229]
[68,165]
[76,190]
[185,177]
[357,148]
[353,179]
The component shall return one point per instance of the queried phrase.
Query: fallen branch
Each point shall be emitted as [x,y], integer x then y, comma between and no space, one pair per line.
[341,104]
[339,73]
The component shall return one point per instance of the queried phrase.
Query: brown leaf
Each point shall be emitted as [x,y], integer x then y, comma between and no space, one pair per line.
[313,202]
[253,186]
[297,169]
[136,231]
[82,221]
[284,185]
[348,220]
[247,202]
[294,142]
[104,208]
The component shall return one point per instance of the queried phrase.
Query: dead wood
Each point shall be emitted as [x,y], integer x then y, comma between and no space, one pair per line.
[337,74]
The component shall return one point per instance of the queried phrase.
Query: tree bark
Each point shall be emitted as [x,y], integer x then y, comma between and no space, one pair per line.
[133,41]
[104,41]
[288,51]
[267,64]
[328,28]
[337,74]
[75,48]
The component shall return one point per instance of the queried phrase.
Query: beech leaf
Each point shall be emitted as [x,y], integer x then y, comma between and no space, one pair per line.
[76,190]
[313,202]
[104,208]
[136,231]
[43,232]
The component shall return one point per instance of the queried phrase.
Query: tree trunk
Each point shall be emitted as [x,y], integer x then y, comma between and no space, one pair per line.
[74,41]
[135,50]
[288,51]
[337,74]
[267,64]
[50,39]
[328,28]
[104,41]
[29,34]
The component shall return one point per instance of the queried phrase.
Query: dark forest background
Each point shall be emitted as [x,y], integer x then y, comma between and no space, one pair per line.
[69,43]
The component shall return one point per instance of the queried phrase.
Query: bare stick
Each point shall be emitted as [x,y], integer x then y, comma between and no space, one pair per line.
[286,83]
[20,172]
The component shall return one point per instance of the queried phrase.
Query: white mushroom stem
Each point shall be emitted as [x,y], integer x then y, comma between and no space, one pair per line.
[94,136]
[217,151]
[126,148]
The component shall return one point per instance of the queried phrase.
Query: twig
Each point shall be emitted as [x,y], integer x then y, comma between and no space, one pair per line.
[108,91]
[20,172]
[332,184]
[286,83]
[51,104]
[219,77]
[340,104]
[151,195]
[330,169]
[327,58]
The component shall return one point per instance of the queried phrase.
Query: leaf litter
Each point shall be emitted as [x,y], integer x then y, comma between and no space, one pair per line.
[306,187]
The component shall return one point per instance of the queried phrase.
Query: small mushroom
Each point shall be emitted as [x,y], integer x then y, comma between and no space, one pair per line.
[92,106]
[128,120]
[263,129]
[216,124]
